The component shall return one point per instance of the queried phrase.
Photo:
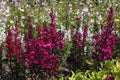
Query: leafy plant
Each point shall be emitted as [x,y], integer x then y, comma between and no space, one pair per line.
[110,70]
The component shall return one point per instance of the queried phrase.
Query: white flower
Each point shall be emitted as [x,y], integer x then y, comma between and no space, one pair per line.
[2,33]
[80,30]
[62,27]
[100,1]
[91,5]
[27,6]
[70,5]
[34,26]
[68,34]
[77,12]
[82,12]
[3,3]
[97,13]
[23,17]
[22,24]
[7,15]
[85,9]
[92,20]
[99,17]
[4,19]
[14,0]
[16,3]
[36,20]
[98,21]
[58,30]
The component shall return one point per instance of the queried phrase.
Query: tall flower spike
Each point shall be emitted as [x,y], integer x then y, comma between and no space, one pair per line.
[13,44]
[105,42]
[39,51]
[85,34]
[53,22]
[110,15]
[18,44]
[10,44]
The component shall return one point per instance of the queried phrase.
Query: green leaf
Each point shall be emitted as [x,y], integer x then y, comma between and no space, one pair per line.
[109,64]
[89,62]
[118,64]
[73,76]
[61,78]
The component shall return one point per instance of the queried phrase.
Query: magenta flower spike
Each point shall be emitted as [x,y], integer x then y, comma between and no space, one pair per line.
[105,42]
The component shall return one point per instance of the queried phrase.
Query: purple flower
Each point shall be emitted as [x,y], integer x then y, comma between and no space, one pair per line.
[13,44]
[104,43]
[85,34]
[78,38]
[39,50]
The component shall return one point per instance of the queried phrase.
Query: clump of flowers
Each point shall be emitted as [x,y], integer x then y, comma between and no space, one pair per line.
[39,51]
[104,42]
[13,44]
[79,38]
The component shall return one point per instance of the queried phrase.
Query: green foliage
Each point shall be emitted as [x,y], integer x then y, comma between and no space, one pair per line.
[116,52]
[111,67]
[65,54]
[66,11]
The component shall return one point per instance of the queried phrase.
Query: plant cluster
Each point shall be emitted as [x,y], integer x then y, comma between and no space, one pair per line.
[111,71]
[41,51]
[69,43]
[105,41]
